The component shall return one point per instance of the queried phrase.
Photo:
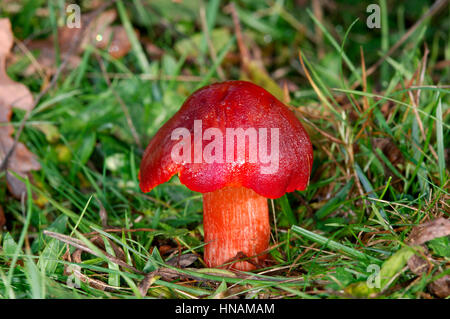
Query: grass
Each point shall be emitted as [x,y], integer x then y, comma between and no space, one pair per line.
[380,153]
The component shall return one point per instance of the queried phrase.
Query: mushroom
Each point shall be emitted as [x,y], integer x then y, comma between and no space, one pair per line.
[238,145]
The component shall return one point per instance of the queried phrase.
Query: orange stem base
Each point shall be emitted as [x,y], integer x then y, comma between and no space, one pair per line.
[235,220]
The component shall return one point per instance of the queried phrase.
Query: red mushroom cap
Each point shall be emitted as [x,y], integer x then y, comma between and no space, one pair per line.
[232,104]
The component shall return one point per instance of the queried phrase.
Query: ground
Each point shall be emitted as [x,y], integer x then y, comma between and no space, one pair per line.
[374,101]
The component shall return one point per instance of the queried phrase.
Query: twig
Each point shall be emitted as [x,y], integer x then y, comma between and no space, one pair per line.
[80,245]
[364,78]
[103,214]
[422,73]
[318,13]
[439,4]
[75,271]
[286,97]
[245,55]
[393,203]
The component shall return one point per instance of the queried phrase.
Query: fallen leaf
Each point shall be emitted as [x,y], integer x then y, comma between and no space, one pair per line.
[22,160]
[182,261]
[164,249]
[389,149]
[6,37]
[13,94]
[425,232]
[2,217]
[148,280]
[440,287]
[420,264]
[46,59]
[5,116]
[153,51]
[100,33]
[115,40]
[15,186]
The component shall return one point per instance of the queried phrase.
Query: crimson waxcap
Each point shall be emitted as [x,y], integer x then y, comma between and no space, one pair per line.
[231,104]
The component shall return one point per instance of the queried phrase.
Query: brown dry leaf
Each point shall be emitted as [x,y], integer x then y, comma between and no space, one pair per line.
[6,37]
[389,149]
[164,249]
[441,287]
[182,261]
[419,264]
[148,280]
[153,51]
[5,116]
[105,36]
[13,94]
[100,33]
[436,228]
[168,274]
[22,160]
[2,217]
[115,39]
[46,58]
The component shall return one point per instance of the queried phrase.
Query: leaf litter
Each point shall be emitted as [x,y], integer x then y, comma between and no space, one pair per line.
[100,33]
[13,94]
[415,257]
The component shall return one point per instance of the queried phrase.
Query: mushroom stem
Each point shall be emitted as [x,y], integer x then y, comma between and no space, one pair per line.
[235,220]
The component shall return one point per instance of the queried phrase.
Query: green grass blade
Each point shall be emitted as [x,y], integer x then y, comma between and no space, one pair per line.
[440,143]
[331,244]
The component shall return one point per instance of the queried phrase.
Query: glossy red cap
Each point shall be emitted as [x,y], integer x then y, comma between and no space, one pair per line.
[232,104]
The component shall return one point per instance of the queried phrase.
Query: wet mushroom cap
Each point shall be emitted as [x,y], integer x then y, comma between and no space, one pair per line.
[231,104]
